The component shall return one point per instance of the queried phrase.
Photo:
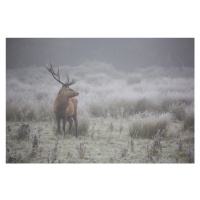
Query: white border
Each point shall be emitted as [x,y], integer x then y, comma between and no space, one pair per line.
[99,19]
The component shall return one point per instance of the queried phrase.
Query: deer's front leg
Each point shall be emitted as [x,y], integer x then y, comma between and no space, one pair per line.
[58,125]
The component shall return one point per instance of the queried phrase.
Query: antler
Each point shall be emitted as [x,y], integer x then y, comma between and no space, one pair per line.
[57,76]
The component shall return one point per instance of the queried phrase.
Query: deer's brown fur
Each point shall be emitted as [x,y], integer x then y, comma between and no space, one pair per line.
[65,108]
[65,104]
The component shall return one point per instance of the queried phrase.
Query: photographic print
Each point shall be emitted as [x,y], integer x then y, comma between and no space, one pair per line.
[100,100]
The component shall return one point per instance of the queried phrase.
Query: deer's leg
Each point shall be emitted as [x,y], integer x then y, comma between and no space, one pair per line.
[64,123]
[76,124]
[58,124]
[69,119]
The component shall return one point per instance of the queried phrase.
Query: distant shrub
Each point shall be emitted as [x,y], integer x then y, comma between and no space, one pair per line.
[126,107]
[144,104]
[96,110]
[97,79]
[166,105]
[12,113]
[188,122]
[133,79]
[31,112]
[121,107]
[20,113]
[179,112]
[41,95]
[148,127]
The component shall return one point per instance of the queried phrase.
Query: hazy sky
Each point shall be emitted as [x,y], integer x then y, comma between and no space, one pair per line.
[126,53]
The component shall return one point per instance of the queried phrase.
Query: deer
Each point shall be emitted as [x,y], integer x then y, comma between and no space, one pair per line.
[65,104]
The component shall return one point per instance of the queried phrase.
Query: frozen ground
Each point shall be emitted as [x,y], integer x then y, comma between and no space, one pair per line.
[140,117]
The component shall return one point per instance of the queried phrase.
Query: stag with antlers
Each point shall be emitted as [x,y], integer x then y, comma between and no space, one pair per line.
[65,104]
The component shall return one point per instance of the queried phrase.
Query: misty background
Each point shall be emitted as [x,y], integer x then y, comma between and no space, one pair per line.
[123,53]
[129,90]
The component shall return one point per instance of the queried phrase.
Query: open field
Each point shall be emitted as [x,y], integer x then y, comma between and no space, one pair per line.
[141,117]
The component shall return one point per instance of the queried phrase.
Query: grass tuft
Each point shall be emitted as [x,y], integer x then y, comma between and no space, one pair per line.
[143,105]
[148,127]
[83,126]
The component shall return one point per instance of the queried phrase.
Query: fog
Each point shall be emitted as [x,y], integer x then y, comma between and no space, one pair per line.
[135,102]
[114,108]
[123,53]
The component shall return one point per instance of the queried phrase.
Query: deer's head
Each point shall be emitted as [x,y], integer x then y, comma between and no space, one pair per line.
[65,91]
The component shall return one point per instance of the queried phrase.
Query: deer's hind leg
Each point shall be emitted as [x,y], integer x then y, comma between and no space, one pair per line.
[69,119]
[64,123]
[76,124]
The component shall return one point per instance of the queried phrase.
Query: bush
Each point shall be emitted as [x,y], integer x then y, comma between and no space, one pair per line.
[188,122]
[96,110]
[148,127]
[83,126]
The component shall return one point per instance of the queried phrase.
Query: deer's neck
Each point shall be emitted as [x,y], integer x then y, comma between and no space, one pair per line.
[63,101]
